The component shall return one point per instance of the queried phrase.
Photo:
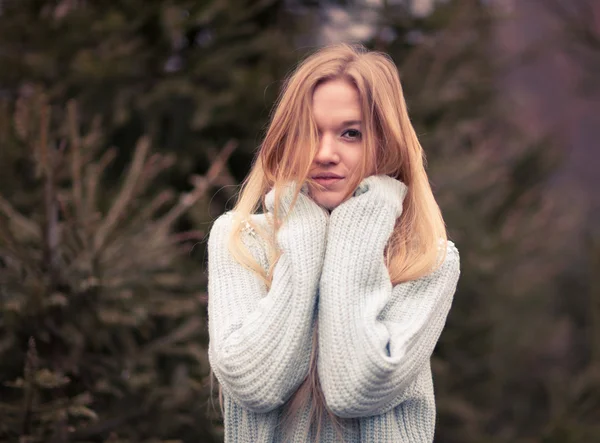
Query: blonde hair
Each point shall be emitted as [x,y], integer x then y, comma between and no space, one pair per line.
[391,148]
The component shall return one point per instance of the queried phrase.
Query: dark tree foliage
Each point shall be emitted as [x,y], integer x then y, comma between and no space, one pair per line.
[191,74]
[102,285]
[511,357]
[102,314]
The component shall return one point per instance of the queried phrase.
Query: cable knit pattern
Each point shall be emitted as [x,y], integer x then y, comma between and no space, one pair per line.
[375,340]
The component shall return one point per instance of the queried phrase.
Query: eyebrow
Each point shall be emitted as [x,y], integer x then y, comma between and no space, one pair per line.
[345,123]
[351,122]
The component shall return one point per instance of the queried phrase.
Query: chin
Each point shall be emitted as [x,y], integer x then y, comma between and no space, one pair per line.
[328,202]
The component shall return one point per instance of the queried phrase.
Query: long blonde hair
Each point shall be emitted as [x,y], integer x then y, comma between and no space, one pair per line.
[392,148]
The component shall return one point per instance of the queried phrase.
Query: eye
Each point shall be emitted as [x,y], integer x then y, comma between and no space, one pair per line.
[352,134]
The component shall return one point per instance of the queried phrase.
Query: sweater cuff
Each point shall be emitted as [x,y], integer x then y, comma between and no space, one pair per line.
[385,189]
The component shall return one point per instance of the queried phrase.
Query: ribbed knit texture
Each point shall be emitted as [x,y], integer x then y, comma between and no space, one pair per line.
[375,339]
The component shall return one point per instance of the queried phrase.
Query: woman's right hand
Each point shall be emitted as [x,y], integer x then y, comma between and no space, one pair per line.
[261,337]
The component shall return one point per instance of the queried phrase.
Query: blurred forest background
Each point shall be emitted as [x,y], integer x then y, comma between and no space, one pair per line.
[125,127]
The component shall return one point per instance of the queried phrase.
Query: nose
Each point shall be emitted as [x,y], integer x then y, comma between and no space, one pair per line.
[327,153]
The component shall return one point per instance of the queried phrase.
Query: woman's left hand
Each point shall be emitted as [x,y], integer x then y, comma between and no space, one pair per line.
[382,189]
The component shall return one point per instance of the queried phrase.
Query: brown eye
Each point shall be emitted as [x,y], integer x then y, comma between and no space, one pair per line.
[352,134]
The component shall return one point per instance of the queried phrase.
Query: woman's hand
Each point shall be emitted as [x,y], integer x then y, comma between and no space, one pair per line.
[369,362]
[370,214]
[383,189]
[261,338]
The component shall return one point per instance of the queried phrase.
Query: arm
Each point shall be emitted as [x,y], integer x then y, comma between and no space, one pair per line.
[260,340]
[365,364]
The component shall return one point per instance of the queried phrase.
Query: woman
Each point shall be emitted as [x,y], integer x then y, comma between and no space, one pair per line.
[325,308]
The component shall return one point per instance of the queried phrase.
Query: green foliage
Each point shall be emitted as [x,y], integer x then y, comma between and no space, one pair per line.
[190,74]
[511,358]
[102,316]
[102,324]
[96,275]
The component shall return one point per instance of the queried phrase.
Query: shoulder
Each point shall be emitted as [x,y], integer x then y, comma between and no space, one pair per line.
[223,222]
[223,226]
[452,253]
[226,222]
[448,258]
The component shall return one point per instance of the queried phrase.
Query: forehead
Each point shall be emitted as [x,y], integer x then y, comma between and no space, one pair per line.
[335,101]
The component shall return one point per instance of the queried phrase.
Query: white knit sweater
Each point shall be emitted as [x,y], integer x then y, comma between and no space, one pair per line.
[375,340]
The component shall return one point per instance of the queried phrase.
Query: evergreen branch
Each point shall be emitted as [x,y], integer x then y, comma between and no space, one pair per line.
[149,211]
[42,145]
[94,172]
[12,244]
[148,234]
[21,118]
[91,141]
[47,159]
[31,365]
[122,264]
[20,221]
[188,235]
[183,332]
[75,157]
[126,194]
[156,249]
[224,179]
[155,165]
[201,184]
[104,427]
[70,234]
[52,236]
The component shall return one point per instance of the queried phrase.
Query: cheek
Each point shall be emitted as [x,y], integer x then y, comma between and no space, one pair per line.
[356,162]
[353,164]
[353,158]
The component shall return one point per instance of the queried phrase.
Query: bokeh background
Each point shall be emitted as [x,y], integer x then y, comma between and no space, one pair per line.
[126,125]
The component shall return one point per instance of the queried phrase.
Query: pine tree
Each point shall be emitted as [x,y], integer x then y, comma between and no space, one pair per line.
[504,363]
[102,318]
[192,75]
[102,313]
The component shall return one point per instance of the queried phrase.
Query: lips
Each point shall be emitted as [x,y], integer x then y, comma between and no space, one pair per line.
[327,179]
[326,175]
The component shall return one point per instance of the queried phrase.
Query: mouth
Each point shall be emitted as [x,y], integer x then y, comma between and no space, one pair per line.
[327,179]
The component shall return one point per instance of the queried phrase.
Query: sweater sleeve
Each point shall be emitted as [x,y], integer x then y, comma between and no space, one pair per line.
[259,340]
[374,339]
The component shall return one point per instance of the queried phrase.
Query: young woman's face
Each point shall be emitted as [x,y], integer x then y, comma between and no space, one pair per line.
[337,113]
